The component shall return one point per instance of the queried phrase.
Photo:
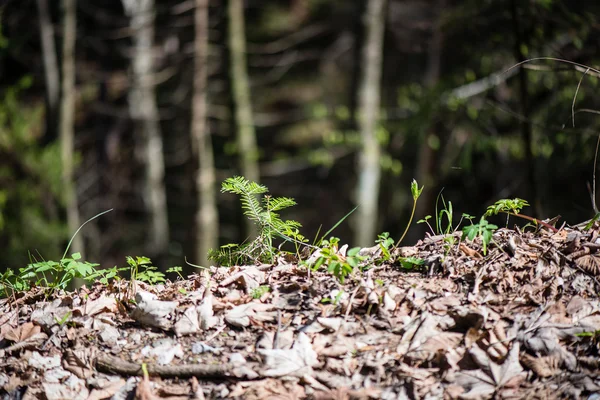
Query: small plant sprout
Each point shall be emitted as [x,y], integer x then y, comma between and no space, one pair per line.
[385,243]
[425,220]
[513,207]
[446,213]
[265,214]
[416,192]
[143,270]
[411,263]
[259,292]
[338,265]
[468,217]
[483,229]
[176,270]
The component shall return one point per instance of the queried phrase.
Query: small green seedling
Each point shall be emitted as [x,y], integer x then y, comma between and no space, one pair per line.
[335,301]
[483,229]
[385,243]
[513,207]
[416,193]
[142,270]
[265,214]
[63,320]
[338,265]
[176,270]
[425,220]
[411,263]
[259,292]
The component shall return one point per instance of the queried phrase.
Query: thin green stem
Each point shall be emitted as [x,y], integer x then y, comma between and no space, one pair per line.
[77,231]
[412,214]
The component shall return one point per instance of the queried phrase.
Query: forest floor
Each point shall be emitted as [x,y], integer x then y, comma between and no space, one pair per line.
[522,321]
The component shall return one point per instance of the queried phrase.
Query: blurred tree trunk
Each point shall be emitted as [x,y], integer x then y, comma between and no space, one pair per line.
[246,136]
[51,73]
[428,162]
[207,221]
[144,112]
[369,167]
[67,122]
[519,44]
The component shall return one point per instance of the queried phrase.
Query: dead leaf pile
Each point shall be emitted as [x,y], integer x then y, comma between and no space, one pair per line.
[522,321]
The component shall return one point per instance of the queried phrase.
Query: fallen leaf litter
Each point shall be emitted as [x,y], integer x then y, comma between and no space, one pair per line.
[522,321]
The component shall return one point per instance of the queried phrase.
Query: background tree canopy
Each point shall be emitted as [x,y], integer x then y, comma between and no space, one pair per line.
[171,97]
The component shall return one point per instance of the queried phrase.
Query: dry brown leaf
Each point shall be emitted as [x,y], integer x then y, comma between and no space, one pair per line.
[143,391]
[541,366]
[466,250]
[590,263]
[22,332]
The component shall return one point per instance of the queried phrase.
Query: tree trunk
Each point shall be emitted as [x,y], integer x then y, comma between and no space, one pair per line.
[51,73]
[207,221]
[428,162]
[144,111]
[67,122]
[369,168]
[246,136]
[526,135]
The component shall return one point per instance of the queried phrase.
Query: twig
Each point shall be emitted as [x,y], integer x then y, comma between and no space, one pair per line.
[110,364]
[350,304]
[214,335]
[575,96]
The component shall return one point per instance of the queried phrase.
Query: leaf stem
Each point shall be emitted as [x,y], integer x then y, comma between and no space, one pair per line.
[535,220]
[412,214]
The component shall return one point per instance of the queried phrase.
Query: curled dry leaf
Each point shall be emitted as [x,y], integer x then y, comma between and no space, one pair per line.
[243,315]
[153,312]
[296,361]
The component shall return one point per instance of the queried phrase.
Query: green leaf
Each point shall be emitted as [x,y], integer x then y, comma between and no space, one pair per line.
[414,189]
[353,252]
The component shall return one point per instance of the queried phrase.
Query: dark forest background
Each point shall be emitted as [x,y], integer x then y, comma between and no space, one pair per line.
[160,108]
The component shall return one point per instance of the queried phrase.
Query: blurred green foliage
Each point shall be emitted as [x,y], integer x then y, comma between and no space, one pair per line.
[31,216]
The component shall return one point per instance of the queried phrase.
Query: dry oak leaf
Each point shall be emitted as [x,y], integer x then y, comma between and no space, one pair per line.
[21,333]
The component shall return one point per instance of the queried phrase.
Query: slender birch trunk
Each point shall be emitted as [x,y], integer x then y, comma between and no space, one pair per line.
[207,221]
[144,111]
[246,136]
[51,73]
[67,121]
[369,168]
